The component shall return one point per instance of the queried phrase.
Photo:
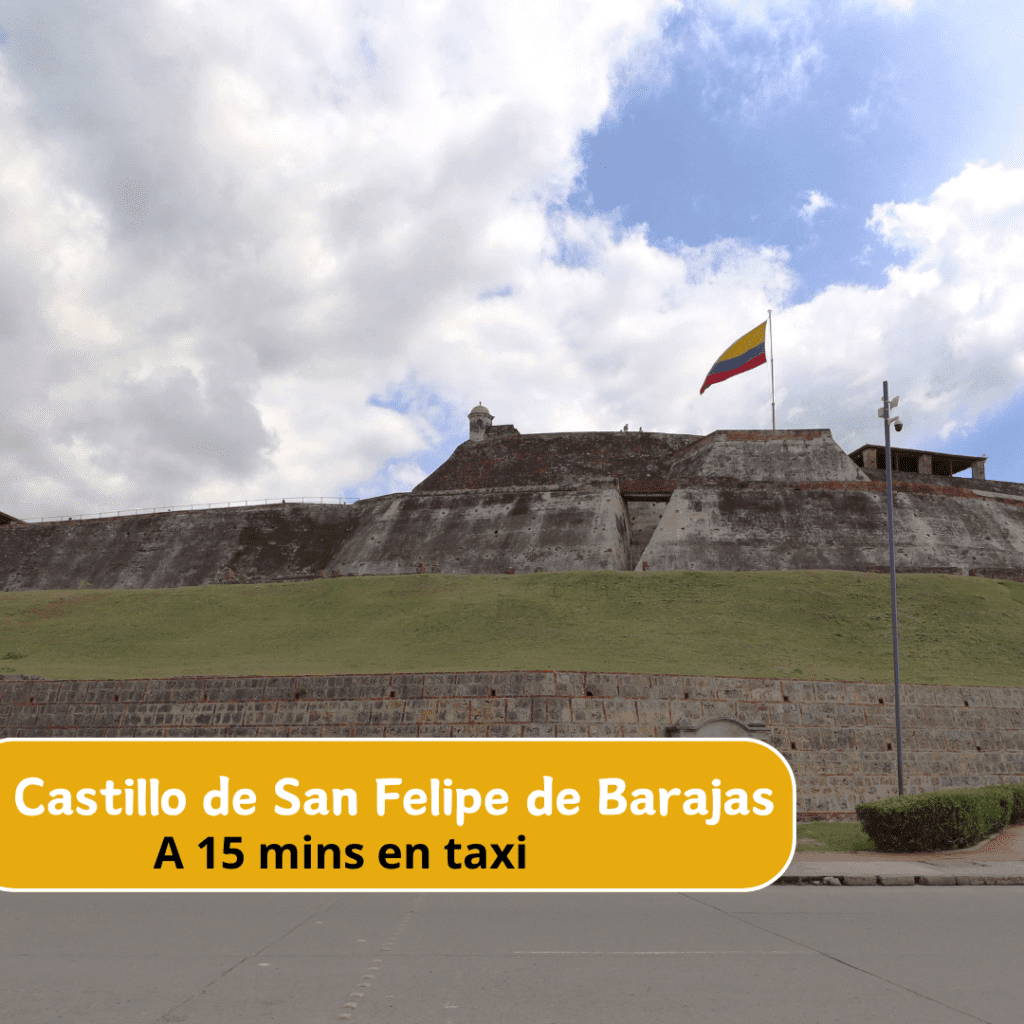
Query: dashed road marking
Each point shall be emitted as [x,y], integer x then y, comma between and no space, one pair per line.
[386,947]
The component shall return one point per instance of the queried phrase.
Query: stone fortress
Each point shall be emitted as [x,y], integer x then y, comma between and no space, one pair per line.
[506,502]
[623,500]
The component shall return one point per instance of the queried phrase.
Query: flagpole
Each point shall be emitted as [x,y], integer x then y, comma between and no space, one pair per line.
[771,349]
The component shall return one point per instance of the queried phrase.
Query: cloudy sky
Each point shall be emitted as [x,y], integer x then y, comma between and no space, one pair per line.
[281,248]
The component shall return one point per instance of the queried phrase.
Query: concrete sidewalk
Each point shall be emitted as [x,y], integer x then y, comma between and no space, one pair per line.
[996,861]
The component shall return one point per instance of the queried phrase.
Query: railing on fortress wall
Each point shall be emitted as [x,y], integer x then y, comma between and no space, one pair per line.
[195,506]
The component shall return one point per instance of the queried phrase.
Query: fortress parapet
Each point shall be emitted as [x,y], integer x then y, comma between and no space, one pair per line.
[506,502]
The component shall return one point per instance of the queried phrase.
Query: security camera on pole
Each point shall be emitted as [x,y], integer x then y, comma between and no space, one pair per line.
[884,413]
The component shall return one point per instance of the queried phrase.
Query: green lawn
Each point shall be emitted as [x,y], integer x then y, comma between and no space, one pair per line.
[798,625]
[832,837]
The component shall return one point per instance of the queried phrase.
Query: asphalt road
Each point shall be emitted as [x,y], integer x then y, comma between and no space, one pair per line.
[793,955]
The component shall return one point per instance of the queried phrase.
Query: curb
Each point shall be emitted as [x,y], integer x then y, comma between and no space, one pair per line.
[900,880]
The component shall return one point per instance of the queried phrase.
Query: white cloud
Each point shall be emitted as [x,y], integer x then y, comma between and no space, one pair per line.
[630,336]
[863,120]
[816,202]
[769,11]
[282,253]
[947,329]
[754,55]
[218,222]
[886,6]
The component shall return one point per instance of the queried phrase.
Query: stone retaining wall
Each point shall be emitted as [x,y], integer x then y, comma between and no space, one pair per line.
[836,735]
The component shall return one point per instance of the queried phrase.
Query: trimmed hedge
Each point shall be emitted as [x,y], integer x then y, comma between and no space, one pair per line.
[1017,814]
[950,819]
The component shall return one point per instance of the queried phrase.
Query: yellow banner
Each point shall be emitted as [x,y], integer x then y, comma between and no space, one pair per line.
[394,814]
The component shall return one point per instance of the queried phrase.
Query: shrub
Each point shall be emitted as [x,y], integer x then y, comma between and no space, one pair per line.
[1016,789]
[950,819]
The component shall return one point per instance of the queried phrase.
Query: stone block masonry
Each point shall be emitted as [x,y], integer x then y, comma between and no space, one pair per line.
[554,460]
[593,501]
[836,525]
[838,737]
[522,529]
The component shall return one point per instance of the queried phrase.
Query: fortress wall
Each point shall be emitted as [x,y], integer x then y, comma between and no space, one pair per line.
[557,459]
[834,526]
[178,549]
[493,531]
[477,532]
[836,736]
[707,525]
[783,456]
[743,500]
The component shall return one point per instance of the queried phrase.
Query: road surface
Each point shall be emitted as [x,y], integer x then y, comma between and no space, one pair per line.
[794,955]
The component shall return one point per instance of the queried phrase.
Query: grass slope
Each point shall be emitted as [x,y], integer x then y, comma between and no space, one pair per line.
[799,625]
[832,837]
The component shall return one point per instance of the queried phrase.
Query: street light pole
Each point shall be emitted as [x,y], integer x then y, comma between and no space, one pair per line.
[887,407]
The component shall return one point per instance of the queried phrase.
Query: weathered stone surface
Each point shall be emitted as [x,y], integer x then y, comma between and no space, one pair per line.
[176,549]
[836,766]
[557,459]
[742,500]
[778,455]
[489,532]
[844,527]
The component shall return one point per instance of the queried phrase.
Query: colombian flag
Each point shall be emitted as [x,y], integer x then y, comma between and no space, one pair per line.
[739,357]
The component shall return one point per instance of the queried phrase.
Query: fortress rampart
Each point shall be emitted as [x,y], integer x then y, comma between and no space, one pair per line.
[559,460]
[837,736]
[508,502]
[511,502]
